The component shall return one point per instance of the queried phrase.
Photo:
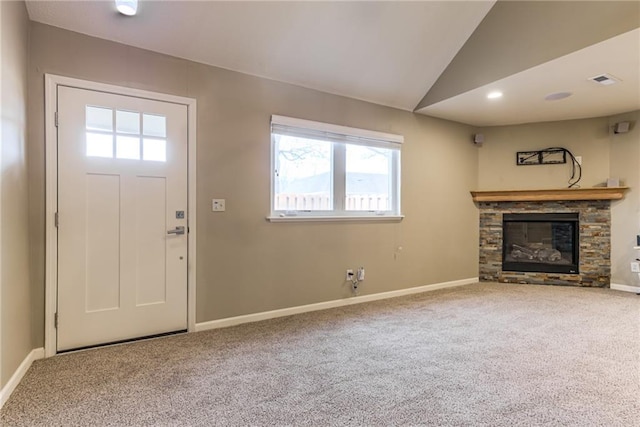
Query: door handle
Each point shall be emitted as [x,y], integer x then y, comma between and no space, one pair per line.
[178,230]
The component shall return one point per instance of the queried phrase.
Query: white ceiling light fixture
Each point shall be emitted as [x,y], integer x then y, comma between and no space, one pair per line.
[494,95]
[127,7]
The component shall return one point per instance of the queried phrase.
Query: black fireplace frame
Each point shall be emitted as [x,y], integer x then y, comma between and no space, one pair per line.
[517,266]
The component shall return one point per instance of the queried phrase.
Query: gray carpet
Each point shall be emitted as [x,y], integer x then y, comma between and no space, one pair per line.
[483,354]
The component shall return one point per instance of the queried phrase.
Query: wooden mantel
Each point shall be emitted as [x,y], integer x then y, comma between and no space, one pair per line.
[553,194]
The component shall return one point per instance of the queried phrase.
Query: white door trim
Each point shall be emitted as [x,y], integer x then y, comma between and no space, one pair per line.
[51,190]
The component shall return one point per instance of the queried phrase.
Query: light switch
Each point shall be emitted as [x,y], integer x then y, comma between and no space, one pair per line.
[218,205]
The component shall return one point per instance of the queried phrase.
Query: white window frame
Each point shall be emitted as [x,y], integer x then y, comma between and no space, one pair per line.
[340,136]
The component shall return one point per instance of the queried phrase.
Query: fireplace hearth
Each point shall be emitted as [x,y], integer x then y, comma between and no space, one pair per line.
[540,242]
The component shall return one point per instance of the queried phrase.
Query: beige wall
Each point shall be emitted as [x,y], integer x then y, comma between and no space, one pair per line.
[625,214]
[15,295]
[604,155]
[246,264]
[588,138]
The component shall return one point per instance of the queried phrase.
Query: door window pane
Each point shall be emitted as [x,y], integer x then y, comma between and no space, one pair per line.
[128,122]
[368,178]
[304,178]
[154,150]
[98,118]
[99,145]
[154,125]
[128,147]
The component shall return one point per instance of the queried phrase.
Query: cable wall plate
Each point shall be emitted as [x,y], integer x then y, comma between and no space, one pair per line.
[541,157]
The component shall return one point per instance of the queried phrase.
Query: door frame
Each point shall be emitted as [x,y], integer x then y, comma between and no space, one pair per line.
[52,82]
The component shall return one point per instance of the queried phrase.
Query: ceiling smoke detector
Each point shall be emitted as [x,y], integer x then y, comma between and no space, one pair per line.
[604,79]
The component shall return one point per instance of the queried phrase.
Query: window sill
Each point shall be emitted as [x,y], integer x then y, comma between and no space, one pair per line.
[303,218]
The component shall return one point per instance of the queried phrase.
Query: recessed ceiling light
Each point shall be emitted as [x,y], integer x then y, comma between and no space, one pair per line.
[494,95]
[127,7]
[557,96]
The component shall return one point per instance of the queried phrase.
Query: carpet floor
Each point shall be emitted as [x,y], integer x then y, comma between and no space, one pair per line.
[484,354]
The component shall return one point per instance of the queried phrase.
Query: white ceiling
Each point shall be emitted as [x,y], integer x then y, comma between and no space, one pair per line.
[525,92]
[389,53]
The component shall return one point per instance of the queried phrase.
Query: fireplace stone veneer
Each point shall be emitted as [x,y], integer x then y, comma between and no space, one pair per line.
[594,242]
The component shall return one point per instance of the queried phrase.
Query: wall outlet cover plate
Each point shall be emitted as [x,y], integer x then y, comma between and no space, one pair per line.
[218,205]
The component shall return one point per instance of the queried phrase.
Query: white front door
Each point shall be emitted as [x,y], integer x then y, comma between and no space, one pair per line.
[122,217]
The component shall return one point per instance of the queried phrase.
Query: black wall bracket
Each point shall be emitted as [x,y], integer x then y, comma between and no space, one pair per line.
[541,157]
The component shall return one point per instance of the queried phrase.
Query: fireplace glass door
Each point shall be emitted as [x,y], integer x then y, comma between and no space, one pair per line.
[540,242]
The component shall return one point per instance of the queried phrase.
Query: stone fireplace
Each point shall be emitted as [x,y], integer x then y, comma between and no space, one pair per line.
[529,238]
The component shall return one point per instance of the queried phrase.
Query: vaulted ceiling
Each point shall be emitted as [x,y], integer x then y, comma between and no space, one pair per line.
[438,58]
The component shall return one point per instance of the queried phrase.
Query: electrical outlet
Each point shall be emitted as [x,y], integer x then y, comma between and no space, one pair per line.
[635,267]
[349,274]
[218,205]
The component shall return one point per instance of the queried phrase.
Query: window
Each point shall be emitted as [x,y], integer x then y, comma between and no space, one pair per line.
[324,171]
[100,134]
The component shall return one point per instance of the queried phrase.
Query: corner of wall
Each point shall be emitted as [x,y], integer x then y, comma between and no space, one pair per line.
[15,327]
[625,214]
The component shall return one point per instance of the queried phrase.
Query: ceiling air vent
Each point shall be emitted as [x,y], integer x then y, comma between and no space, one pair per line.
[604,79]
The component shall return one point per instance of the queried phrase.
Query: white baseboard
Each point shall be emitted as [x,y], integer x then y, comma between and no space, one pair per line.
[625,288]
[256,317]
[5,393]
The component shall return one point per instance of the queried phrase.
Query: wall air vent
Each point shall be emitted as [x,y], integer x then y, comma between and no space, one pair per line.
[604,79]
